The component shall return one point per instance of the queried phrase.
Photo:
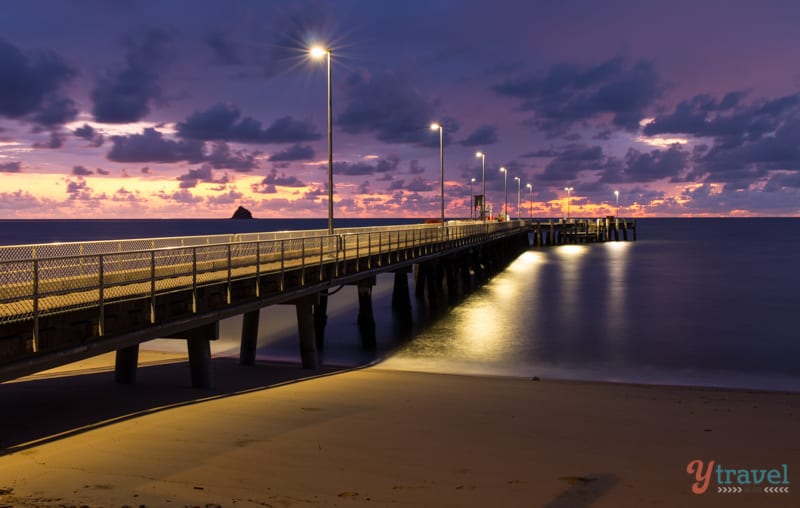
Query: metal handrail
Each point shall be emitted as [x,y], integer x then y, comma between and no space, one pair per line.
[36,287]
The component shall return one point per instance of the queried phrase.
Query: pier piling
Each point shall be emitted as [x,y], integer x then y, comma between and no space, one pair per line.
[126,363]
[249,344]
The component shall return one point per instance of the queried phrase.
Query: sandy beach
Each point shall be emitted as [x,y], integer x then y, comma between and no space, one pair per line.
[378,437]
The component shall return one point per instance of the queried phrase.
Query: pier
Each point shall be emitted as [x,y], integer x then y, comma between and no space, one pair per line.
[63,302]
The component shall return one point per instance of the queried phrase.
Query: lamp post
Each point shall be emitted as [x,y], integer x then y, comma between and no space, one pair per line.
[519,183]
[530,200]
[569,193]
[483,180]
[319,52]
[616,193]
[435,126]
[505,191]
[471,198]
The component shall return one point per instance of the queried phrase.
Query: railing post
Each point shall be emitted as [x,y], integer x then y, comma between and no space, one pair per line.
[35,340]
[358,252]
[194,280]
[369,250]
[380,247]
[321,247]
[302,261]
[152,286]
[283,265]
[102,320]
[228,290]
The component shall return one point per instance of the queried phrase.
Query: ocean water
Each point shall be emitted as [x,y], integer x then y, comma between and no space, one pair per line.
[706,302]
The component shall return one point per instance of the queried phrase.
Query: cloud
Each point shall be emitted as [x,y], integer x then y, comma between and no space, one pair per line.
[385,165]
[55,111]
[56,140]
[224,50]
[419,185]
[123,195]
[201,174]
[127,92]
[11,167]
[90,134]
[151,146]
[81,171]
[79,190]
[229,197]
[282,180]
[29,86]
[103,172]
[388,106]
[293,153]
[222,157]
[568,94]
[748,140]
[482,136]
[647,167]
[181,196]
[224,122]
[575,158]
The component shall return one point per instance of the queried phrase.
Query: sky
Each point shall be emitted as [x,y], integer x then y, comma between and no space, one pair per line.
[154,109]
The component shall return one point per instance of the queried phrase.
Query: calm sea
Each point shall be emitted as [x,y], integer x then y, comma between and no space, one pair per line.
[710,302]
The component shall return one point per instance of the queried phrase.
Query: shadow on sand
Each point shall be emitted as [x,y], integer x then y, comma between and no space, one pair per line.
[40,410]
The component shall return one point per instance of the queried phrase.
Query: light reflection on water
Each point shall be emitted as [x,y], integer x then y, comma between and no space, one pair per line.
[650,312]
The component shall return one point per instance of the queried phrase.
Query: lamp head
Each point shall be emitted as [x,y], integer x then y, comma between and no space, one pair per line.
[318,52]
[480,154]
[435,126]
[503,170]
[529,186]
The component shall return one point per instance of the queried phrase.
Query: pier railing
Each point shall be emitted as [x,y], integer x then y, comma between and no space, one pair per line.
[41,280]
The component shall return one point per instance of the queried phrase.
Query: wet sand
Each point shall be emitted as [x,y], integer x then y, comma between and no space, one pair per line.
[378,437]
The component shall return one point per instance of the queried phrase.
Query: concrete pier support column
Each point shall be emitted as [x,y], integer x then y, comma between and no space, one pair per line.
[305,329]
[320,320]
[616,229]
[451,279]
[366,318]
[200,362]
[421,273]
[401,301]
[433,284]
[198,342]
[249,344]
[126,363]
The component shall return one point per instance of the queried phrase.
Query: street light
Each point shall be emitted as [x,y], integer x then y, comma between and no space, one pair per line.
[569,193]
[616,193]
[505,190]
[471,198]
[483,179]
[519,182]
[318,52]
[530,200]
[436,126]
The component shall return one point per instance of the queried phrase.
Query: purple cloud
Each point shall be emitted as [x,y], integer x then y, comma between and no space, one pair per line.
[126,93]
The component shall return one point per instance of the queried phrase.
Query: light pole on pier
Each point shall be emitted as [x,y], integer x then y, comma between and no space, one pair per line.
[505,191]
[519,183]
[435,126]
[569,194]
[471,198]
[320,52]
[483,180]
[616,193]
[530,200]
